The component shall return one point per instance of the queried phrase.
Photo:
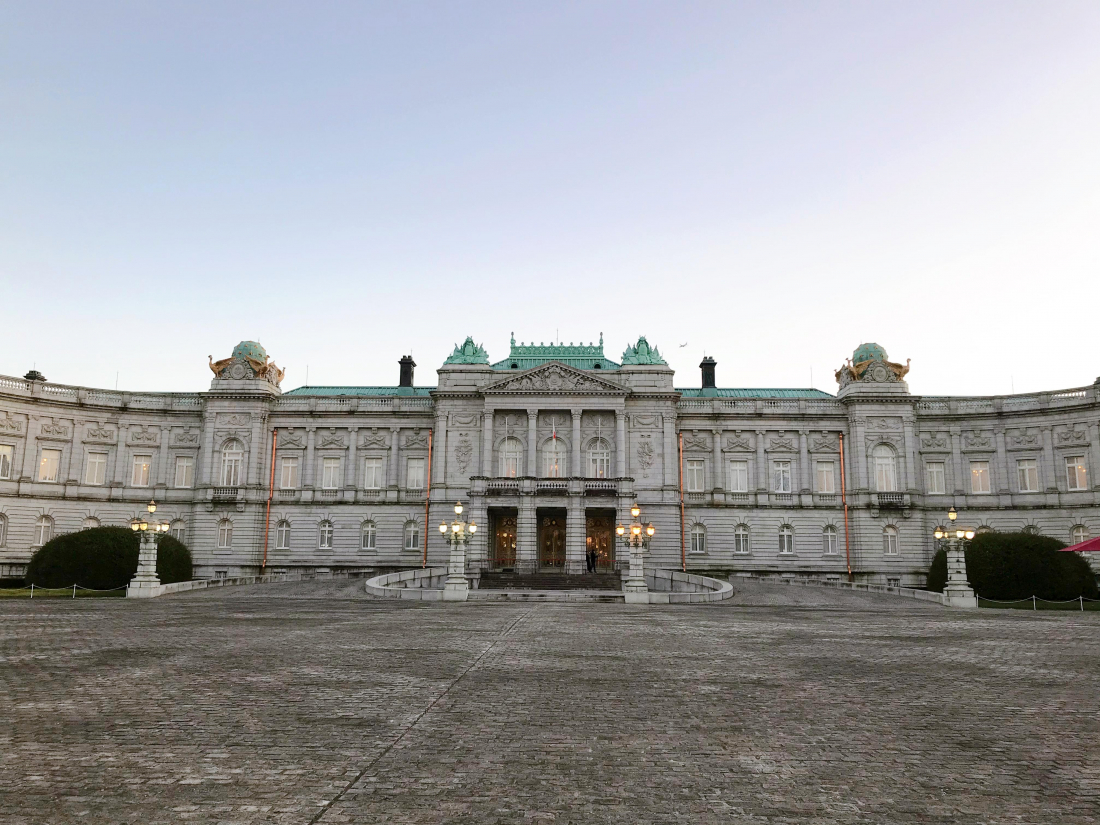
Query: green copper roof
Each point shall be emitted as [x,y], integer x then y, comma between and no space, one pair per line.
[582,356]
[468,353]
[360,391]
[753,393]
[250,349]
[868,352]
[642,353]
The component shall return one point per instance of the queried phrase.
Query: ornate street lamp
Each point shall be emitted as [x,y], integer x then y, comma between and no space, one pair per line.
[146,582]
[957,592]
[637,536]
[458,535]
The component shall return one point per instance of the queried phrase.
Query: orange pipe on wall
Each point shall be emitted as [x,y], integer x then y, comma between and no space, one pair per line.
[844,501]
[270,493]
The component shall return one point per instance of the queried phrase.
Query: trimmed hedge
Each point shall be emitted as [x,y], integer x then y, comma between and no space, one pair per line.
[103,558]
[1018,566]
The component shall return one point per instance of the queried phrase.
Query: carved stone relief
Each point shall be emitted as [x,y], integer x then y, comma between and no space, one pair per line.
[464,419]
[54,430]
[236,420]
[10,425]
[974,440]
[291,440]
[100,434]
[934,442]
[646,454]
[1024,440]
[696,442]
[738,442]
[333,439]
[780,443]
[881,423]
[187,437]
[646,421]
[825,445]
[416,439]
[1072,435]
[138,435]
[464,452]
[373,439]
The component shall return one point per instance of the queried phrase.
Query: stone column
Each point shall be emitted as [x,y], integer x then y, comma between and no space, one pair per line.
[575,532]
[620,444]
[912,481]
[1002,463]
[804,462]
[859,453]
[439,451]
[577,470]
[527,552]
[1094,454]
[162,460]
[957,461]
[761,470]
[672,453]
[208,422]
[392,474]
[532,435]
[309,470]
[122,455]
[255,448]
[351,472]
[1048,459]
[487,448]
[716,460]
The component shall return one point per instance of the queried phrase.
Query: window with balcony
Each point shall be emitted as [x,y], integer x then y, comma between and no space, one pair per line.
[694,479]
[741,538]
[372,473]
[1027,475]
[738,476]
[414,480]
[185,471]
[367,535]
[6,452]
[599,459]
[781,476]
[826,477]
[935,479]
[96,471]
[886,468]
[140,475]
[330,473]
[890,540]
[324,539]
[1075,473]
[225,534]
[288,473]
[48,465]
[698,539]
[786,539]
[511,454]
[232,461]
[828,540]
[979,477]
[553,459]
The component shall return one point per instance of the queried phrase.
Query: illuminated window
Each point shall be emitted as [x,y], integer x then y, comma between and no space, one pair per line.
[185,471]
[937,483]
[140,475]
[553,459]
[48,466]
[599,459]
[1027,473]
[96,472]
[511,451]
[979,477]
[1075,472]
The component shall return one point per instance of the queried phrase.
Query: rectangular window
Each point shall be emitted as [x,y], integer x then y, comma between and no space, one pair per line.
[937,484]
[786,540]
[48,466]
[225,534]
[140,475]
[554,461]
[741,539]
[890,541]
[1075,473]
[781,476]
[695,475]
[6,451]
[698,540]
[599,463]
[1027,473]
[368,535]
[828,541]
[372,473]
[826,477]
[330,477]
[739,476]
[282,536]
[288,473]
[979,476]
[412,536]
[415,477]
[325,542]
[185,471]
[97,468]
[231,468]
[178,531]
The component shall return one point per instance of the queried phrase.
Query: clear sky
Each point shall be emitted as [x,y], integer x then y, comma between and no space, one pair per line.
[769,183]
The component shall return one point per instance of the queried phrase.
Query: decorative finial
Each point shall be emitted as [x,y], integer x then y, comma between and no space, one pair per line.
[601,339]
[513,339]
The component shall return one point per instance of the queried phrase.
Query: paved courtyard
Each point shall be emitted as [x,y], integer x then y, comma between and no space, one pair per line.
[304,703]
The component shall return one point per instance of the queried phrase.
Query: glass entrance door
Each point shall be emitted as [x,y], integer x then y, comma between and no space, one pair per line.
[598,540]
[552,539]
[504,541]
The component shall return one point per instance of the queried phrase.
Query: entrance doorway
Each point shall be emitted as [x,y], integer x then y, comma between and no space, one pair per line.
[503,552]
[599,532]
[552,539]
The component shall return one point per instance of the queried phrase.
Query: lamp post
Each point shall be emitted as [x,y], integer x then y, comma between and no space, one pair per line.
[458,535]
[637,536]
[145,582]
[957,592]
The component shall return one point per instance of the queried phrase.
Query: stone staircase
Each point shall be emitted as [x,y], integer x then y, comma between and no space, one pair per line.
[550,581]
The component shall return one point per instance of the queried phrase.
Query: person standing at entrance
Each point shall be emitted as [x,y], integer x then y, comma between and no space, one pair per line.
[590,558]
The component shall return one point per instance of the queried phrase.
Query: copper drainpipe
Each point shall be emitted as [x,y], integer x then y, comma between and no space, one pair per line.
[270,493]
[427,499]
[844,501]
[683,551]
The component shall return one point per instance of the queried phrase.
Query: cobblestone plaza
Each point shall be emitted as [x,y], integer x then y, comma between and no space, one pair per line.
[309,702]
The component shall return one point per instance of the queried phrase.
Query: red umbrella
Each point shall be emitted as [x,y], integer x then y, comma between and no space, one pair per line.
[1090,546]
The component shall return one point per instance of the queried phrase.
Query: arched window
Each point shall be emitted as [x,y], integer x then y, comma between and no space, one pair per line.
[828,540]
[324,539]
[232,461]
[367,535]
[177,530]
[412,535]
[698,539]
[225,534]
[43,530]
[599,459]
[1078,534]
[553,459]
[786,539]
[89,523]
[741,538]
[890,540]
[511,454]
[1031,529]
[3,529]
[282,535]
[886,469]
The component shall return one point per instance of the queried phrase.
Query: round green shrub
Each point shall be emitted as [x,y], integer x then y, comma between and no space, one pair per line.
[1010,566]
[103,558]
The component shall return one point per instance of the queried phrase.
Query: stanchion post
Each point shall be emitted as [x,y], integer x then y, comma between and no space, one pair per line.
[1033,607]
[32,590]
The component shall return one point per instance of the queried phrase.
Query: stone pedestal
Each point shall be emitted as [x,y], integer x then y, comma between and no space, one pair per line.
[958,592]
[146,583]
[457,586]
[635,590]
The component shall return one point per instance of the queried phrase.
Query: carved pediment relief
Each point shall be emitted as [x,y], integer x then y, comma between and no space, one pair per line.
[100,434]
[10,425]
[556,378]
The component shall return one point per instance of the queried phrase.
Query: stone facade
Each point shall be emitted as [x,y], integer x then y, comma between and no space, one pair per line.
[548,448]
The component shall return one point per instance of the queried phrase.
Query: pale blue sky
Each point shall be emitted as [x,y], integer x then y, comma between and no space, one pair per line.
[771,183]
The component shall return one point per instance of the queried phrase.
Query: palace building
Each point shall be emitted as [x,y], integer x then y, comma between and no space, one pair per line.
[548,448]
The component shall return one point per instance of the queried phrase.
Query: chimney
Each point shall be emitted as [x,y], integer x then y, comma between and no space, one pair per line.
[707,366]
[407,364]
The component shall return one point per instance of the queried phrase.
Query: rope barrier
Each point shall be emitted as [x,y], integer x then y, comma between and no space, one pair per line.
[1080,600]
[58,590]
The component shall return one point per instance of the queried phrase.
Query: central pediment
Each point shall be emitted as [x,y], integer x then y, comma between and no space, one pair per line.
[555,378]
